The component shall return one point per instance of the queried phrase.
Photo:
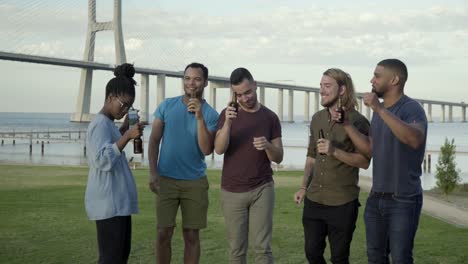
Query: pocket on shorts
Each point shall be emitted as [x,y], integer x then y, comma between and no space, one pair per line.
[203,183]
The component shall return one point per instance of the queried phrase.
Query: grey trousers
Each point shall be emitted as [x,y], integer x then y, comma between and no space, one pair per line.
[249,216]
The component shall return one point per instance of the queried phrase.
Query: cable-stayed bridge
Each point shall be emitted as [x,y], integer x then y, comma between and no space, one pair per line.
[88,65]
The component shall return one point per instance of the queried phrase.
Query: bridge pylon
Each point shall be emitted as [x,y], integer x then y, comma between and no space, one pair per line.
[83,103]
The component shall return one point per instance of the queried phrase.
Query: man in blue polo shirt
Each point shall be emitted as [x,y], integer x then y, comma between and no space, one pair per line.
[186,125]
[397,142]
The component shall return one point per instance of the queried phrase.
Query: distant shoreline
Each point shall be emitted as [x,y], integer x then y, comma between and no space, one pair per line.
[297,118]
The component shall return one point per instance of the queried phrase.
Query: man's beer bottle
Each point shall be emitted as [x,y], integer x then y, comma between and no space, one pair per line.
[234,102]
[340,110]
[320,137]
[193,95]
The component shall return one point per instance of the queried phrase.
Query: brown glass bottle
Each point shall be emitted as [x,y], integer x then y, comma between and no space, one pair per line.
[340,110]
[137,146]
[234,102]
[321,135]
[193,95]
[133,121]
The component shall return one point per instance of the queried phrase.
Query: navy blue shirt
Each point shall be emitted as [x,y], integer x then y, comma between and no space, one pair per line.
[397,166]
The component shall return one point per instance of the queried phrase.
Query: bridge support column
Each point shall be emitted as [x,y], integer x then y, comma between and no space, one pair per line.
[144,99]
[291,106]
[212,98]
[160,89]
[317,102]
[182,86]
[306,106]
[450,117]
[463,110]
[280,104]
[262,95]
[443,113]
[83,101]
[429,112]
[84,93]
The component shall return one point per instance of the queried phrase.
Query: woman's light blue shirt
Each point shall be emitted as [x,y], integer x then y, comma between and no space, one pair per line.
[111,189]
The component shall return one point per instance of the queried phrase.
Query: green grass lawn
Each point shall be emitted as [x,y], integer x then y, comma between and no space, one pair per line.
[43,221]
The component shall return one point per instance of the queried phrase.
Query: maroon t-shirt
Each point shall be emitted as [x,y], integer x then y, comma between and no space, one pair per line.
[246,168]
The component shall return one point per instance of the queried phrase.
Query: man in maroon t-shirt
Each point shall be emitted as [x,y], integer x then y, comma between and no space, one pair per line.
[250,139]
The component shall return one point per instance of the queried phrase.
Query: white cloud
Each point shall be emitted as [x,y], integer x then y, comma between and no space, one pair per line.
[276,35]
[367,17]
[134,44]
[51,49]
[299,35]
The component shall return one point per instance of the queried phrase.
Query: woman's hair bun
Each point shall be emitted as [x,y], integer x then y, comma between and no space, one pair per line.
[125,69]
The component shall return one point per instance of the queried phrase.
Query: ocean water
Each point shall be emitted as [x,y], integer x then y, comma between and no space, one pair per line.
[65,149]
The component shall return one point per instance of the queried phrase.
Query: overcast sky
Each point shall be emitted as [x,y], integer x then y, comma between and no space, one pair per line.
[291,40]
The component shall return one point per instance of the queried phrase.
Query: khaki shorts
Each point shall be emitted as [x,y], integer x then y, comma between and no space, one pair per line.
[191,195]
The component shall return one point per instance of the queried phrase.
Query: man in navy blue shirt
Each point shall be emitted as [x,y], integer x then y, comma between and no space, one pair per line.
[396,142]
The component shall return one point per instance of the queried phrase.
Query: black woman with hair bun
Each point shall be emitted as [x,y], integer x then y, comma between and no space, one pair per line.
[111,194]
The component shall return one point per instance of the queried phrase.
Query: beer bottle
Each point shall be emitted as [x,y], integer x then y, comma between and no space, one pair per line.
[340,110]
[320,137]
[321,134]
[138,146]
[193,95]
[133,120]
[234,102]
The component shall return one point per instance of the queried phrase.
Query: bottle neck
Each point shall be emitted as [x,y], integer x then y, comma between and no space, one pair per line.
[233,98]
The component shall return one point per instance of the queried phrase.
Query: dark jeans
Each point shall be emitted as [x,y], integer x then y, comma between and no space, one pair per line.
[336,222]
[114,237]
[391,224]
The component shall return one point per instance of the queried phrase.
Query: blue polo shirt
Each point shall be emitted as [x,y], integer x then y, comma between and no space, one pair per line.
[180,156]
[397,166]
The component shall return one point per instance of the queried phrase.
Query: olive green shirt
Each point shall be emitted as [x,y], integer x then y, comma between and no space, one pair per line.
[333,181]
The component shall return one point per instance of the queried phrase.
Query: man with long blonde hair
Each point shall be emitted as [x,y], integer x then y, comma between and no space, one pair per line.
[330,185]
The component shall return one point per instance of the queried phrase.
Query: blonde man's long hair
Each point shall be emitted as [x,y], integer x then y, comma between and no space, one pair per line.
[348,100]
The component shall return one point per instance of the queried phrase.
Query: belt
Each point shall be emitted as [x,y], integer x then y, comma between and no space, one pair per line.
[384,195]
